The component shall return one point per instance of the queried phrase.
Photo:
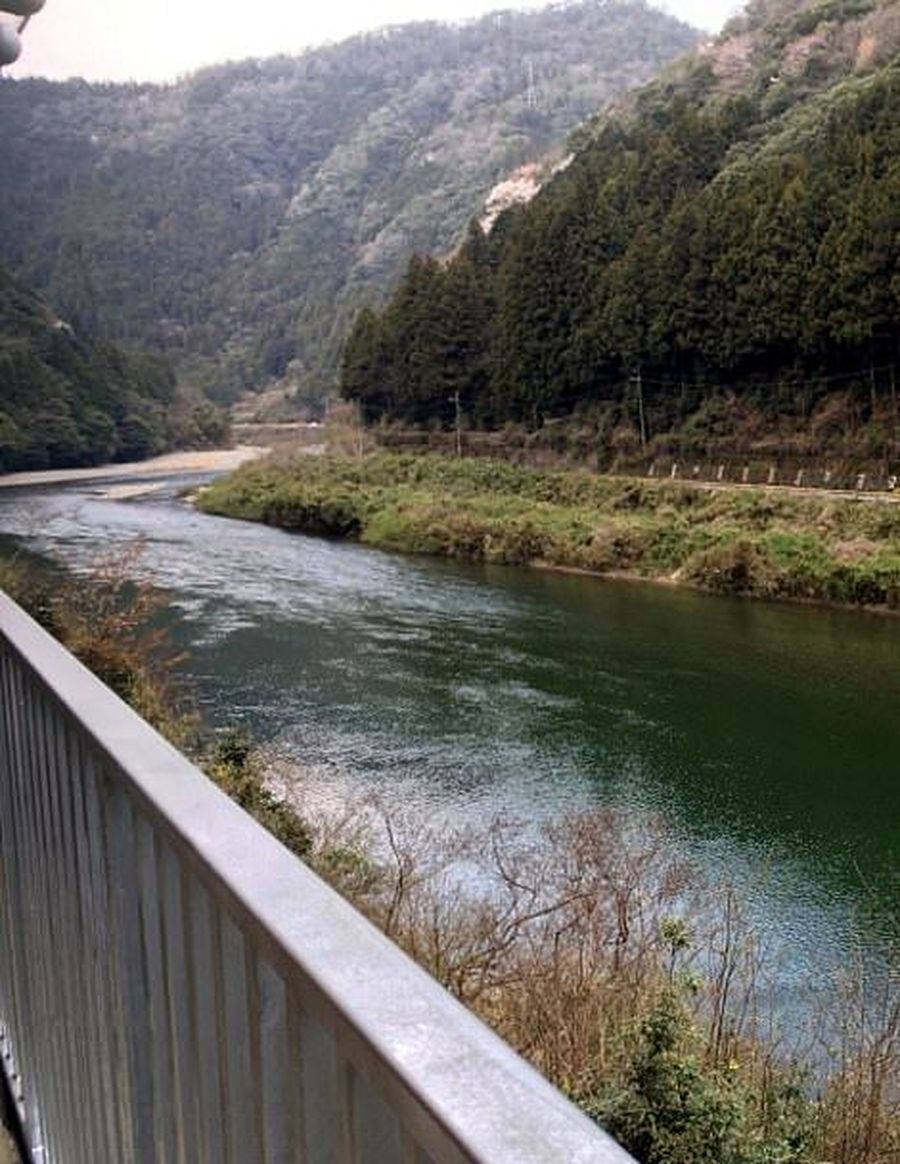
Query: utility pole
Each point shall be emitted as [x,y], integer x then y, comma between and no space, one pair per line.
[873,386]
[531,99]
[456,403]
[360,435]
[638,381]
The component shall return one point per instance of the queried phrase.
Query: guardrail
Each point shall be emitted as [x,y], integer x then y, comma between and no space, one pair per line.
[177,987]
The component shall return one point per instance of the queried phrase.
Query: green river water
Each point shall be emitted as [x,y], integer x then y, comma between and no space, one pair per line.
[766,737]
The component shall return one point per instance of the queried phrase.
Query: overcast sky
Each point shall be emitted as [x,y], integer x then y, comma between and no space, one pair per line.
[134,39]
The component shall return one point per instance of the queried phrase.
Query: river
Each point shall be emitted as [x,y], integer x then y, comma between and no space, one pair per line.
[766,736]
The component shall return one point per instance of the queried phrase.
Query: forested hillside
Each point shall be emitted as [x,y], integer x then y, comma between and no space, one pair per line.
[67,401]
[235,220]
[717,268]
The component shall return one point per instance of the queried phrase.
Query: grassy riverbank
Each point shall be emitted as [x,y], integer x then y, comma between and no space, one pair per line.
[730,540]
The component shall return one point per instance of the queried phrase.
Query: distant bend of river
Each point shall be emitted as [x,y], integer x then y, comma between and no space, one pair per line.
[766,736]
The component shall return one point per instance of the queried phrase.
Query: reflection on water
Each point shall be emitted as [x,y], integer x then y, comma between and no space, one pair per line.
[766,735]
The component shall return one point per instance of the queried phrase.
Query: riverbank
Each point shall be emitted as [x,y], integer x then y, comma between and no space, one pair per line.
[193,461]
[739,540]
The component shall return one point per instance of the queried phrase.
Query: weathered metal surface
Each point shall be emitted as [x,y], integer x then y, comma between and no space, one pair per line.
[176,987]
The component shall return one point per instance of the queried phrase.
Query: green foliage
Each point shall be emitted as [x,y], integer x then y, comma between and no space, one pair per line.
[237,219]
[702,236]
[675,1110]
[67,401]
[734,566]
[233,762]
[350,869]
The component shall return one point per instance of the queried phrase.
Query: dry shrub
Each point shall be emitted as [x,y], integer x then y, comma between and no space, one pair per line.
[634,986]
[345,431]
[561,938]
[732,567]
[860,1110]
[832,416]
[114,620]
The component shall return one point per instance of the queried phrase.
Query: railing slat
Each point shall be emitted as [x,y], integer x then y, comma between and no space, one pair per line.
[92,947]
[274,1067]
[240,1119]
[322,1110]
[377,1132]
[207,1027]
[29,920]
[295,1099]
[178,985]
[11,1016]
[159,1049]
[70,1022]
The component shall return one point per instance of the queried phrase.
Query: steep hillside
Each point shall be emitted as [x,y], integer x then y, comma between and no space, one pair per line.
[236,219]
[717,270]
[65,401]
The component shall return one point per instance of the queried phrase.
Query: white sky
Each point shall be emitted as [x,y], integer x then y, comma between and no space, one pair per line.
[133,39]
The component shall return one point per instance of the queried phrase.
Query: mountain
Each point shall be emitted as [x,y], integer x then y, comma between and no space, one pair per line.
[237,219]
[67,401]
[717,268]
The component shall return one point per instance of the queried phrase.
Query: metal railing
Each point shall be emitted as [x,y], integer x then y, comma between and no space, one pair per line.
[177,987]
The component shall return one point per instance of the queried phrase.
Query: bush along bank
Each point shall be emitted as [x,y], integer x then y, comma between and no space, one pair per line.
[738,540]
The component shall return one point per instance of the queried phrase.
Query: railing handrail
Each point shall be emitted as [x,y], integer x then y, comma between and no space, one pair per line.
[458,1089]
